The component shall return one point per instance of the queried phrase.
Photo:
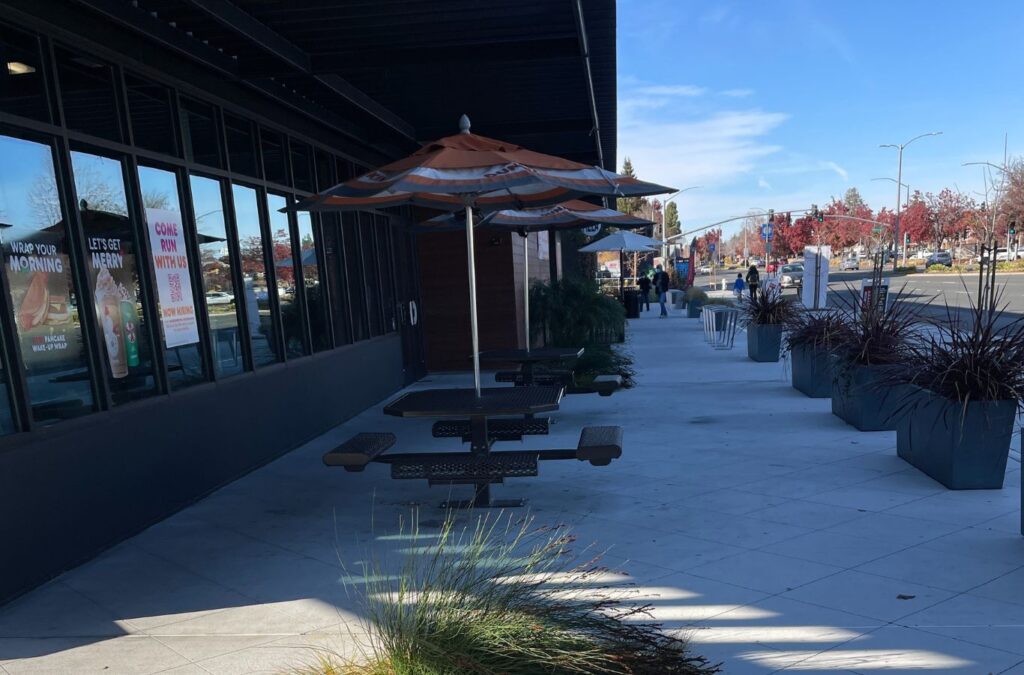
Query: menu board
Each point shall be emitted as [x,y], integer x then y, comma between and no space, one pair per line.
[38,271]
[173,280]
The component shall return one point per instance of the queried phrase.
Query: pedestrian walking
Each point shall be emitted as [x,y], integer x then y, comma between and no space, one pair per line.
[739,286]
[661,288]
[753,279]
[645,291]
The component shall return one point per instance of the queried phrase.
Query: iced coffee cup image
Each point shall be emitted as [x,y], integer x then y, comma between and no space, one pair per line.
[108,306]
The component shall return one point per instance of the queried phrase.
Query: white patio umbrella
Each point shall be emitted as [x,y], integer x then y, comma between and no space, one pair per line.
[622,242]
[468,171]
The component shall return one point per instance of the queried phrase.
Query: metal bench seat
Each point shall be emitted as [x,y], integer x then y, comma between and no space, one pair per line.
[358,451]
[603,385]
[497,429]
[461,467]
[599,445]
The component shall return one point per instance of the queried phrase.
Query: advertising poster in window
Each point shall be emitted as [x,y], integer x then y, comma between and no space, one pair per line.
[113,277]
[38,271]
[173,280]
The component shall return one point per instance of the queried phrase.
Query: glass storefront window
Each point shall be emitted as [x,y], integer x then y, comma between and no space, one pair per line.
[324,171]
[22,86]
[87,94]
[149,111]
[275,162]
[113,268]
[241,146]
[354,273]
[385,239]
[302,166]
[46,304]
[216,263]
[253,251]
[287,279]
[176,301]
[199,127]
[312,281]
[371,279]
[334,266]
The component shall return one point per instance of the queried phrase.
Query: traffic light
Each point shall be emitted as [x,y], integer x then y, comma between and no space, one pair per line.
[789,219]
[771,215]
[1013,227]
[816,214]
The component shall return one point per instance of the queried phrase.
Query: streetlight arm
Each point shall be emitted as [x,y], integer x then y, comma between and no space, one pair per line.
[930,133]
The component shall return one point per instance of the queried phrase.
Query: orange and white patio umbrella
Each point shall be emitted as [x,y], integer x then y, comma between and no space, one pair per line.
[468,171]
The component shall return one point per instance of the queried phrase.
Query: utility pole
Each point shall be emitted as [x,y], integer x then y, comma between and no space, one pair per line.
[899,191]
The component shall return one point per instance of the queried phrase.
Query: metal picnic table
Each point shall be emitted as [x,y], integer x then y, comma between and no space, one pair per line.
[479,466]
[528,358]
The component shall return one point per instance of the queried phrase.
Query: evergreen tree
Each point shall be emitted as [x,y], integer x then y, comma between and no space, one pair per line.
[672,226]
[629,205]
[853,201]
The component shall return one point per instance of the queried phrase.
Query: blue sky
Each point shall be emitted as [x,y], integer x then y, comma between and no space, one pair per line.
[783,103]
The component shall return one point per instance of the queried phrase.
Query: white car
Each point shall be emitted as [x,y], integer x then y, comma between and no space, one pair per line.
[219,298]
[704,269]
[849,264]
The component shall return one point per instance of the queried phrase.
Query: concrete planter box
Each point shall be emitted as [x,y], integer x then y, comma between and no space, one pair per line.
[812,371]
[859,400]
[693,309]
[764,342]
[962,449]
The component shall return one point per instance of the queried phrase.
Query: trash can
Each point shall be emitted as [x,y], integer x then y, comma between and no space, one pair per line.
[631,299]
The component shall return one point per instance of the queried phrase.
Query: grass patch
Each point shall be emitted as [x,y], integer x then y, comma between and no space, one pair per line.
[498,597]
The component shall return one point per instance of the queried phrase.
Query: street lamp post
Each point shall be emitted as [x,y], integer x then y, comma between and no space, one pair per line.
[899,187]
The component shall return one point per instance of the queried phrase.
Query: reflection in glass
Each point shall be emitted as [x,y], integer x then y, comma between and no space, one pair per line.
[302,166]
[113,269]
[284,270]
[215,259]
[354,273]
[178,324]
[22,89]
[334,266]
[43,294]
[87,94]
[253,250]
[385,239]
[315,290]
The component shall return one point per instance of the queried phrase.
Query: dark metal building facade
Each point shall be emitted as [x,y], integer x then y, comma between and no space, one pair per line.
[165,329]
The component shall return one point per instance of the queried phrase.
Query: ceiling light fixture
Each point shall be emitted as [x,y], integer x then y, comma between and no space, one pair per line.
[19,68]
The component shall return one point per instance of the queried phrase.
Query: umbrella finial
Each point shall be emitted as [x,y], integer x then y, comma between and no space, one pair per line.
[464,125]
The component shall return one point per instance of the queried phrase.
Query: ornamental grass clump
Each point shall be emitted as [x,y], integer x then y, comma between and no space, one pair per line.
[821,330]
[498,597]
[768,308]
[877,333]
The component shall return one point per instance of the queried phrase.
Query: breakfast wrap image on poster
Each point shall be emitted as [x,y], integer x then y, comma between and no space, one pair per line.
[173,280]
[37,270]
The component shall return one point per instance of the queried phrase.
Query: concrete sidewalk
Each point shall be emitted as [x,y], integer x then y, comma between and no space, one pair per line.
[756,523]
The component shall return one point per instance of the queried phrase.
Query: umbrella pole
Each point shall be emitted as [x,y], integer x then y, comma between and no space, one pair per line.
[526,289]
[472,298]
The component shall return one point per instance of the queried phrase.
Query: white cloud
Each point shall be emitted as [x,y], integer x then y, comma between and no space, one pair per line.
[737,93]
[671,90]
[716,149]
[762,183]
[832,166]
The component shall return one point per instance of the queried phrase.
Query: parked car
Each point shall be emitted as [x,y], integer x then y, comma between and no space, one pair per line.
[1002,254]
[773,266]
[849,264]
[219,298]
[940,258]
[704,269]
[791,275]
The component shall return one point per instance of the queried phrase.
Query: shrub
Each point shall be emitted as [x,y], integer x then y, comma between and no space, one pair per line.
[574,313]
[906,269]
[1010,266]
[499,597]
[938,268]
[695,294]
[720,301]
[768,307]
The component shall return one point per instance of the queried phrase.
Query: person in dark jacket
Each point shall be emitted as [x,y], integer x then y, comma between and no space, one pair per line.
[645,291]
[753,279]
[661,288]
